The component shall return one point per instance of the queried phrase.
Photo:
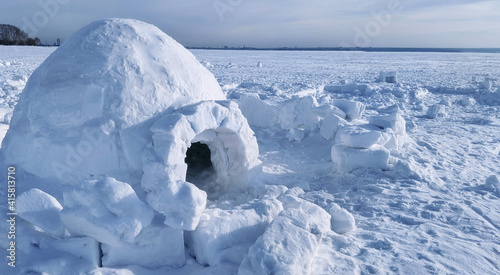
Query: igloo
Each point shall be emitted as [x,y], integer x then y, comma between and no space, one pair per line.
[122,99]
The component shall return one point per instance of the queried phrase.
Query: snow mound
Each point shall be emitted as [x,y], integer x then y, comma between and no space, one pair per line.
[290,242]
[107,77]
[342,221]
[42,210]
[157,245]
[224,236]
[435,111]
[85,248]
[298,113]
[493,184]
[107,210]
[258,112]
[347,159]
[467,102]
[295,135]
[330,125]
[64,256]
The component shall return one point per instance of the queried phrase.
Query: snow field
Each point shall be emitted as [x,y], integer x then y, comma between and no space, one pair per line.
[385,189]
[441,161]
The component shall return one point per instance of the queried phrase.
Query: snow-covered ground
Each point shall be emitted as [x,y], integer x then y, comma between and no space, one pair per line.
[435,213]
[16,65]
[415,162]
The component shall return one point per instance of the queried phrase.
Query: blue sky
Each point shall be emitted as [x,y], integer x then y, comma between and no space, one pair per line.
[276,23]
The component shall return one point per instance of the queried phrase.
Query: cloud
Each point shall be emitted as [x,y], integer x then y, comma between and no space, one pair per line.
[279,22]
[465,24]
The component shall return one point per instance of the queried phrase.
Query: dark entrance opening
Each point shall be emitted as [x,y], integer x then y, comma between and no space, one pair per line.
[390,79]
[200,170]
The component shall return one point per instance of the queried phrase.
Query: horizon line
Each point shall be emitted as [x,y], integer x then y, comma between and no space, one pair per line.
[366,49]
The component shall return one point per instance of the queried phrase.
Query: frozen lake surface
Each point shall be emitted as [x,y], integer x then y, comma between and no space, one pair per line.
[426,202]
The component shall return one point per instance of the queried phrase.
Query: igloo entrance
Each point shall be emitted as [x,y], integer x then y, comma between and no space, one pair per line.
[209,138]
[200,170]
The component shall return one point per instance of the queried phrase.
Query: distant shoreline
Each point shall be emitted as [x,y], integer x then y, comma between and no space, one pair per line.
[370,49]
[332,49]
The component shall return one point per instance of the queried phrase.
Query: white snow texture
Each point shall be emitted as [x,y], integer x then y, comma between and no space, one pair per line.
[130,158]
[111,112]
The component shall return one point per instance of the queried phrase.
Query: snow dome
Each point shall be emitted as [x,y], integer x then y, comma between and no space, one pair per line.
[122,99]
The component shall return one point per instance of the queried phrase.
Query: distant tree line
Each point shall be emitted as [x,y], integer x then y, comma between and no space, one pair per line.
[12,35]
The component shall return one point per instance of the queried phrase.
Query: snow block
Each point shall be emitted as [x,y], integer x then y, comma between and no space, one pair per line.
[107,210]
[392,121]
[63,256]
[357,137]
[347,159]
[467,102]
[435,111]
[353,109]
[85,248]
[489,85]
[181,202]
[342,221]
[224,236]
[388,77]
[351,88]
[121,71]
[157,245]
[493,184]
[258,112]
[289,243]
[419,95]
[326,110]
[390,110]
[42,210]
[299,113]
[391,141]
[330,126]
[7,117]
[295,135]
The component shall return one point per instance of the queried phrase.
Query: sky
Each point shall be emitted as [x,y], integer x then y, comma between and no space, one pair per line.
[276,23]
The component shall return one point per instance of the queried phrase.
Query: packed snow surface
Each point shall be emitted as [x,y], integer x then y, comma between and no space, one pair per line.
[371,163]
